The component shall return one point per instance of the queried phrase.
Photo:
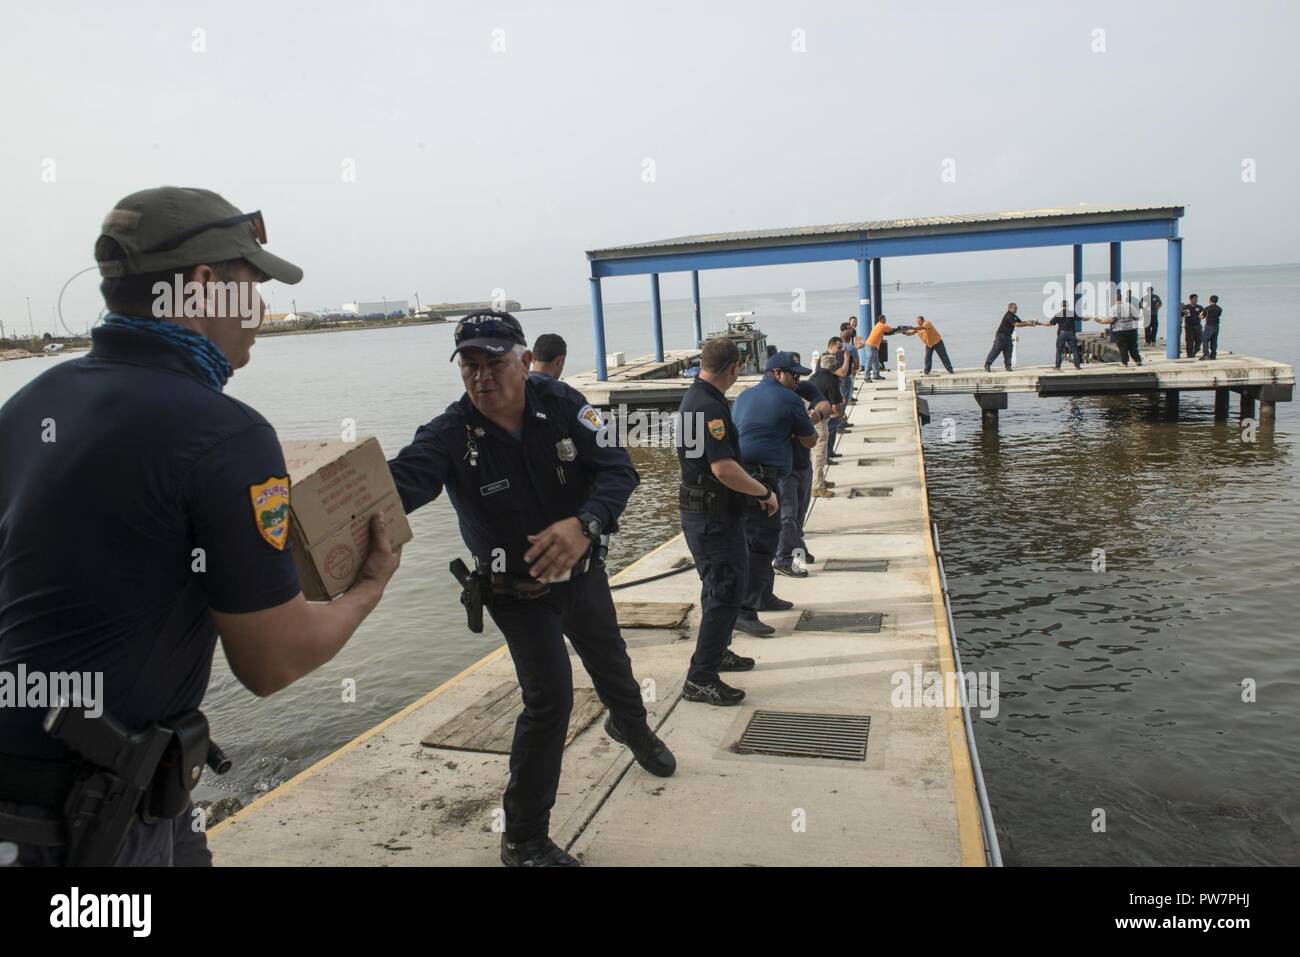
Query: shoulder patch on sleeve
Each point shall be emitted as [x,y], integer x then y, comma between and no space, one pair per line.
[271,510]
[590,418]
[717,428]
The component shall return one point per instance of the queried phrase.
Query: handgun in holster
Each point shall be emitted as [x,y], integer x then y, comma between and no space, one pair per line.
[123,774]
[476,591]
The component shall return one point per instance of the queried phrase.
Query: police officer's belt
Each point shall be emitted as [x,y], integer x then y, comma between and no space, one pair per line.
[518,586]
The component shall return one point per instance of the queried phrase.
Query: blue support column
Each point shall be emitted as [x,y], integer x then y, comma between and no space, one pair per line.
[1115,264]
[695,301]
[657,317]
[877,303]
[1174,302]
[1076,269]
[598,328]
[864,296]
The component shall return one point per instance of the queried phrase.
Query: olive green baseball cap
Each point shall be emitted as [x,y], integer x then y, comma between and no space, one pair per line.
[174,227]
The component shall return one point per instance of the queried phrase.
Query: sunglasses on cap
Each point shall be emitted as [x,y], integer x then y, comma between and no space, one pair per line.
[489,325]
[255,217]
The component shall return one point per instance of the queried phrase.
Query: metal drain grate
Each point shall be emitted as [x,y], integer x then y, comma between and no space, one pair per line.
[876,461]
[889,439]
[870,492]
[854,622]
[856,565]
[802,735]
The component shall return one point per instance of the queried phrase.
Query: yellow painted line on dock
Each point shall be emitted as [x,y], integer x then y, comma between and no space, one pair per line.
[356,742]
[970,830]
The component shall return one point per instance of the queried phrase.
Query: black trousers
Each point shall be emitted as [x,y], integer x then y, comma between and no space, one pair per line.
[1152,328]
[717,544]
[1067,343]
[1192,337]
[1127,340]
[583,609]
[762,533]
[174,843]
[1001,347]
[942,351]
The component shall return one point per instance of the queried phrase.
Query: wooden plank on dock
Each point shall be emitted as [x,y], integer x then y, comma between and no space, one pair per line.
[652,614]
[488,725]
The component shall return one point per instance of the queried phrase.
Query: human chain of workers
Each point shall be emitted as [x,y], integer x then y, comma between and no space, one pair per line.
[154,463]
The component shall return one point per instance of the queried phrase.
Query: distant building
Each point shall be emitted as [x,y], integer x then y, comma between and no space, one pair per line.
[385,309]
[280,318]
[450,309]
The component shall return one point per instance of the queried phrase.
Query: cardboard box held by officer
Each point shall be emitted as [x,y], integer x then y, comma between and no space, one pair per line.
[334,488]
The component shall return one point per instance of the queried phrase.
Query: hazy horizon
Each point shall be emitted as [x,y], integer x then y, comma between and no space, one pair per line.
[452,152]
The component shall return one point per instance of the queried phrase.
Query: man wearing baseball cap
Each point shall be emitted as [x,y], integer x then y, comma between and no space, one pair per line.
[537,491]
[144,513]
[768,416]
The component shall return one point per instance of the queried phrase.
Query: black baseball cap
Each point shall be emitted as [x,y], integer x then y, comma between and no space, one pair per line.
[494,332]
[172,227]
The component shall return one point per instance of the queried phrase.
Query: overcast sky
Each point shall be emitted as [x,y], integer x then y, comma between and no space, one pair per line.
[493,143]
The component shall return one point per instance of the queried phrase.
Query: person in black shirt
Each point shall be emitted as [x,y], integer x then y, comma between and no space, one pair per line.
[1191,314]
[795,489]
[534,487]
[1152,303]
[144,514]
[549,353]
[1210,342]
[1002,344]
[716,494]
[1066,339]
[829,384]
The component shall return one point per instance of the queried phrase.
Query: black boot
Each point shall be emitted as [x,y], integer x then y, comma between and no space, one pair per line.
[651,753]
[734,662]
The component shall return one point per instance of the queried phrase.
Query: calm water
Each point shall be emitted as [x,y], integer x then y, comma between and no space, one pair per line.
[1121,690]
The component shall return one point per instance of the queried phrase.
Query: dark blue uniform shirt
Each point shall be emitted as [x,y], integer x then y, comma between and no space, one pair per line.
[99,527]
[708,434]
[514,488]
[800,454]
[767,415]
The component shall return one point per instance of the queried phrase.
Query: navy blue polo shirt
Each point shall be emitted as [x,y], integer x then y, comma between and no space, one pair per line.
[767,415]
[800,454]
[114,468]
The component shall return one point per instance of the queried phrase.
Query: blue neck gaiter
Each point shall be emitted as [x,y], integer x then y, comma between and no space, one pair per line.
[216,368]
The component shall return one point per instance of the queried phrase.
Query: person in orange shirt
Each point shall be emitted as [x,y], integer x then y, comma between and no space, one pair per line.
[933,342]
[874,338]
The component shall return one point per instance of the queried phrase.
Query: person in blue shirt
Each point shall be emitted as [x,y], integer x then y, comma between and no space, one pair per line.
[144,514]
[768,416]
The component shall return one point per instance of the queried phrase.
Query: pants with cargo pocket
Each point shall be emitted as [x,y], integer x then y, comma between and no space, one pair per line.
[717,544]
[582,609]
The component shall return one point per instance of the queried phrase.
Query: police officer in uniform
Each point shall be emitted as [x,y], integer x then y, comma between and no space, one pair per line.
[143,513]
[1067,340]
[768,416]
[716,495]
[1191,314]
[534,491]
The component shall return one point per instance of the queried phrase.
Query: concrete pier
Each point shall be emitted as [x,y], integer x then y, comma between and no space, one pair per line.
[385,799]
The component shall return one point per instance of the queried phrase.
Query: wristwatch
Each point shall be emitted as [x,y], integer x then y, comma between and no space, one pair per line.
[591,525]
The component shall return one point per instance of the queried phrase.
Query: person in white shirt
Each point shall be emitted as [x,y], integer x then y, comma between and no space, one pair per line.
[1123,321]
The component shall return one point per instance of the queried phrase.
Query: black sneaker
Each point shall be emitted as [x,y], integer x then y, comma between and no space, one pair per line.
[987,369]
[784,568]
[775,604]
[651,753]
[539,852]
[752,626]
[716,693]
[807,556]
[734,662]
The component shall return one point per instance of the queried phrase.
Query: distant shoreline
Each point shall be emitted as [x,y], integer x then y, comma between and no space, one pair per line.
[351,325]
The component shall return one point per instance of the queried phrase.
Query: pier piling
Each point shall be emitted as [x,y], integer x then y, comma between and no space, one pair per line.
[1220,405]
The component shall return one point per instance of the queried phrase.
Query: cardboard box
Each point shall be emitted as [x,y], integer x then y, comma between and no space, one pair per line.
[334,488]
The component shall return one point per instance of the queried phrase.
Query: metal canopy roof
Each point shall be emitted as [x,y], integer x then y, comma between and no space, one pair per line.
[892,229]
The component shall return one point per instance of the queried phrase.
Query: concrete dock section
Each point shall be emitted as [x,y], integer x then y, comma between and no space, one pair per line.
[870,614]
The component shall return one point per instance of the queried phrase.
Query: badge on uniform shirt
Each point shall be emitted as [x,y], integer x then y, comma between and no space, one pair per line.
[566,450]
[590,418]
[717,429]
[271,510]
